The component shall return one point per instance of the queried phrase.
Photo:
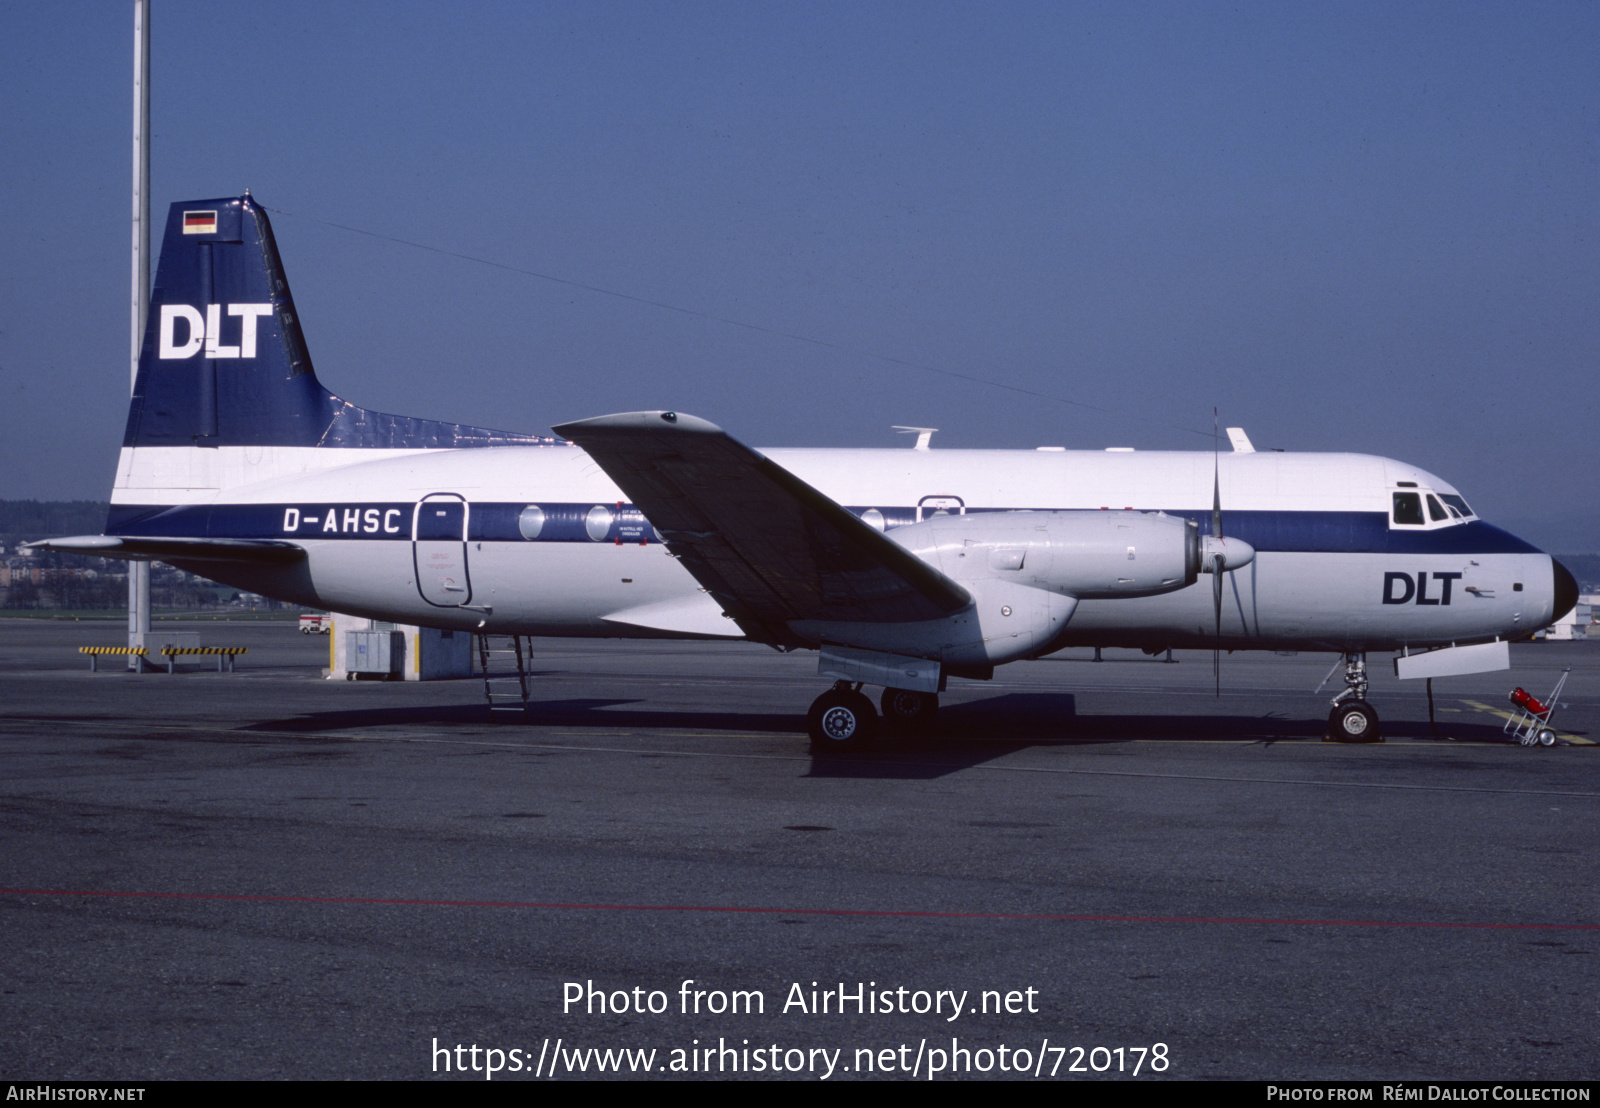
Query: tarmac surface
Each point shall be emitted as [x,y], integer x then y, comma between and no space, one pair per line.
[269,875]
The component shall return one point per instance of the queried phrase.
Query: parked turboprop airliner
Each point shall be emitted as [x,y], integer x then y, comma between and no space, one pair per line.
[902,568]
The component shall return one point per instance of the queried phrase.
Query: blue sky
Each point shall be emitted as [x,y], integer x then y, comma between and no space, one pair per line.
[1364,227]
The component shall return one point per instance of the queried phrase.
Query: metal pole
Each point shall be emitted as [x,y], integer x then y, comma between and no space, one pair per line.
[139,572]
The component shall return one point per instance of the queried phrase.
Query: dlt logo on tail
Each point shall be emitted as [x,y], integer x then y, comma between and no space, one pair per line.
[207,329]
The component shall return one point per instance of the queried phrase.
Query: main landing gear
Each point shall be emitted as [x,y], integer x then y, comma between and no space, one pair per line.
[1353,720]
[843,719]
[905,710]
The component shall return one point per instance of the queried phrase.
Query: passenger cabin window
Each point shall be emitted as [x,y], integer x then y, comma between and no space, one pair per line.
[1408,509]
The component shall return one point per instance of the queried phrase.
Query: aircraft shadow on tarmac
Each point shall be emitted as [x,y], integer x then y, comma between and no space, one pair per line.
[962,735]
[970,734]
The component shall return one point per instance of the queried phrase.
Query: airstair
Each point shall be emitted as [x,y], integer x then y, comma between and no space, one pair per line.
[504,660]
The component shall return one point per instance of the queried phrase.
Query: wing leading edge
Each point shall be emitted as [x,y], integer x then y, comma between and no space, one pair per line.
[766,545]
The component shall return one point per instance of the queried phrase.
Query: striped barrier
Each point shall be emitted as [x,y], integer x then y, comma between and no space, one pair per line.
[223,654]
[96,652]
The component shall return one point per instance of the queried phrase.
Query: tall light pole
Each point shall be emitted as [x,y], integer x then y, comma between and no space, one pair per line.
[139,572]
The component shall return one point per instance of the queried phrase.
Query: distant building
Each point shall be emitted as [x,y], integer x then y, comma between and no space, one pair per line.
[1575,624]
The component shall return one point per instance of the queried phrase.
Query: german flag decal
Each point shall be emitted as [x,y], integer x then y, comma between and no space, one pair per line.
[199,223]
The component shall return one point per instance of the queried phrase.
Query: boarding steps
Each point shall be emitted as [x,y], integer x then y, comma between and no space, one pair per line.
[504,660]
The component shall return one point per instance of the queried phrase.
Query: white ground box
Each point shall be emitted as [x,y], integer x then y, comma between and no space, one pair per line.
[415,653]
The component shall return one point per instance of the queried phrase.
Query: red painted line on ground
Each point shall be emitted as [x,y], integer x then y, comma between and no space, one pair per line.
[901,913]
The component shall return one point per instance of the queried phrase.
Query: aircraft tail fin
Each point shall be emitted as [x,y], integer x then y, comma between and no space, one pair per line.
[224,364]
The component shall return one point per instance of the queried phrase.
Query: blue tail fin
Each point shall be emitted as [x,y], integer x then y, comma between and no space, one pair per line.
[224,362]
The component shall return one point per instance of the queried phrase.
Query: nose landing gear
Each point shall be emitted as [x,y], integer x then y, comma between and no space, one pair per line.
[1353,720]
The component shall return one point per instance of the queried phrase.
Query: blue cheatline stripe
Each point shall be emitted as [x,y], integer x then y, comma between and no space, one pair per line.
[586,521]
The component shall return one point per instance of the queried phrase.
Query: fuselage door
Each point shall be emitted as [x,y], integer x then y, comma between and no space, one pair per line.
[439,550]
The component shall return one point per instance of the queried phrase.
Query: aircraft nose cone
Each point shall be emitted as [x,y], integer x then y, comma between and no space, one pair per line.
[1565,592]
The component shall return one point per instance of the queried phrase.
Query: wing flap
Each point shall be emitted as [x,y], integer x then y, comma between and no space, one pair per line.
[766,545]
[694,614]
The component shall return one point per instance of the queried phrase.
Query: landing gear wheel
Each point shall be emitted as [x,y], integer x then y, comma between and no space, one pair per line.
[1354,721]
[841,720]
[907,710]
[1547,737]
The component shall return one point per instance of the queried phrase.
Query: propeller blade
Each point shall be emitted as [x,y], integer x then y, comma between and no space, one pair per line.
[1216,505]
[1216,589]
[1217,560]
[1216,600]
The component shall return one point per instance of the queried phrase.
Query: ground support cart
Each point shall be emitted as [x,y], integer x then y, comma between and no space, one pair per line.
[1531,723]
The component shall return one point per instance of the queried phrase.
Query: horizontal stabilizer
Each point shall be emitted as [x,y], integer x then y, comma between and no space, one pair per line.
[767,546]
[176,549]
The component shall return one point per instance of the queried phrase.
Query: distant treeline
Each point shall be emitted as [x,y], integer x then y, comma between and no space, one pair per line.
[1585,567]
[26,520]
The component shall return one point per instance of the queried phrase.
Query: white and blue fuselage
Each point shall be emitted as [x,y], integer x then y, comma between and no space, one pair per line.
[540,541]
[900,566]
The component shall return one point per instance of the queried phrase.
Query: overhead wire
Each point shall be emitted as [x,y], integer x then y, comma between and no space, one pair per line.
[726,320]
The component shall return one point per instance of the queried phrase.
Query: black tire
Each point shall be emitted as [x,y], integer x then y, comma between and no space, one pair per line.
[906,710]
[841,720]
[1354,721]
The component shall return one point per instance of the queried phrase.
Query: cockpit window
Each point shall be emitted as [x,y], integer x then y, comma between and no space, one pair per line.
[1408,509]
[1443,509]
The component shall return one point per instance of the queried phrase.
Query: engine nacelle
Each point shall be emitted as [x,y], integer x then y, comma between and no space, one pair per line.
[1026,572]
[1087,555]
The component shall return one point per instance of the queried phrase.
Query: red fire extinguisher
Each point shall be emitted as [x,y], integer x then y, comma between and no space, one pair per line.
[1521,699]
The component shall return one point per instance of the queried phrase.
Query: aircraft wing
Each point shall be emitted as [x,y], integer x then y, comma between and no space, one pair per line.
[176,549]
[766,545]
